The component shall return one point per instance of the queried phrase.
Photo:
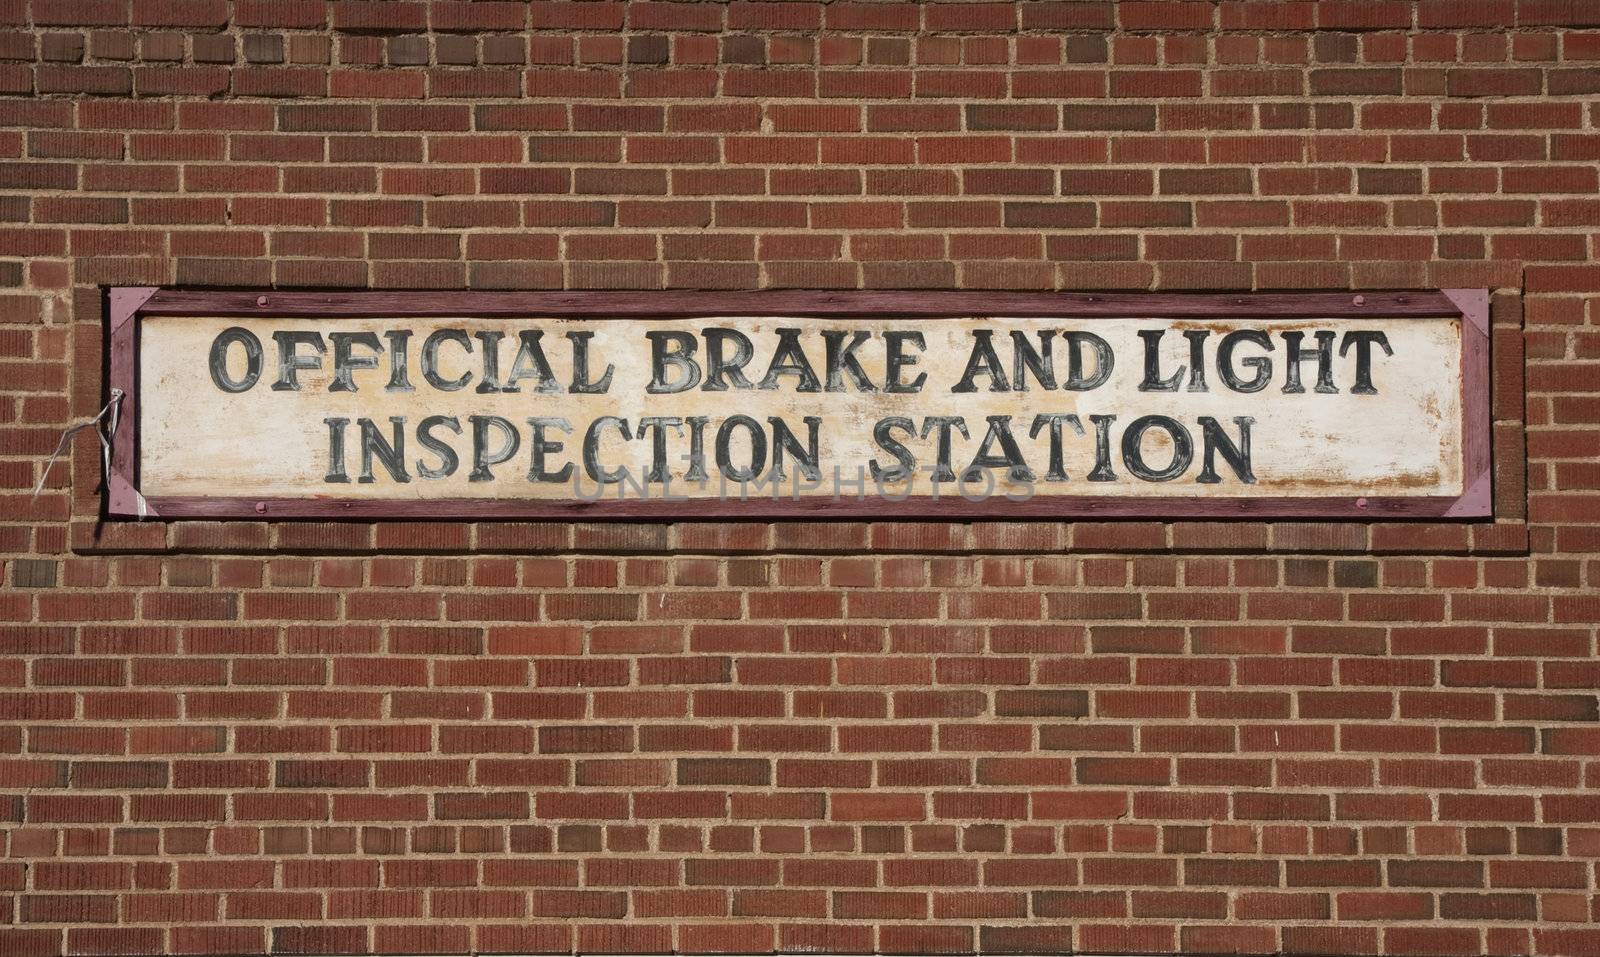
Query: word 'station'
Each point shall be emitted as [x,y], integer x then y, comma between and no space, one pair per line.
[748,409]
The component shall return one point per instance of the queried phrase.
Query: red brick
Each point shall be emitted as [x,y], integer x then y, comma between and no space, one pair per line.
[1294,716]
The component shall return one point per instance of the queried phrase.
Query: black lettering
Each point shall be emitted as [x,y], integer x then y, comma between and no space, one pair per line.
[1293,358]
[540,447]
[1102,449]
[721,369]
[482,458]
[219,359]
[1237,456]
[758,448]
[790,359]
[1105,359]
[449,461]
[697,448]
[785,442]
[490,380]
[1152,364]
[841,359]
[1057,471]
[430,359]
[1197,358]
[345,364]
[680,356]
[1261,364]
[1025,359]
[591,450]
[581,383]
[399,359]
[942,472]
[391,454]
[1133,448]
[658,425]
[290,363]
[895,342]
[1010,457]
[530,363]
[905,462]
[336,472]
[982,361]
[1363,342]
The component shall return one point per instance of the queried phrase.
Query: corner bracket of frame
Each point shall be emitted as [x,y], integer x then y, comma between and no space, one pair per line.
[1474,306]
[123,500]
[1476,502]
[128,300]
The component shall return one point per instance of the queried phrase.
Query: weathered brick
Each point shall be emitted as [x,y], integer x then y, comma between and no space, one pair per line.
[1297,735]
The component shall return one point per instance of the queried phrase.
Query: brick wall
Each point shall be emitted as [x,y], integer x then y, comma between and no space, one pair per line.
[905,737]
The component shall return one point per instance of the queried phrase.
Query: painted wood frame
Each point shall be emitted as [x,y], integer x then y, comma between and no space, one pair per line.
[128,305]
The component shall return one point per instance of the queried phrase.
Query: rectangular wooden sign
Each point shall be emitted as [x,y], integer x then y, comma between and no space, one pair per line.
[801,404]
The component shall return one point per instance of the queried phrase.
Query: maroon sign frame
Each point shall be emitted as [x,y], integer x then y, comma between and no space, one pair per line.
[128,305]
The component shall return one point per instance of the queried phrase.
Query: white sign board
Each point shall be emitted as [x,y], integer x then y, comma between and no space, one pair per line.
[471,412]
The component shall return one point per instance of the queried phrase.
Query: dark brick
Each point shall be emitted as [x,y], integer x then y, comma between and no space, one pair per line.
[1108,117]
[33,572]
